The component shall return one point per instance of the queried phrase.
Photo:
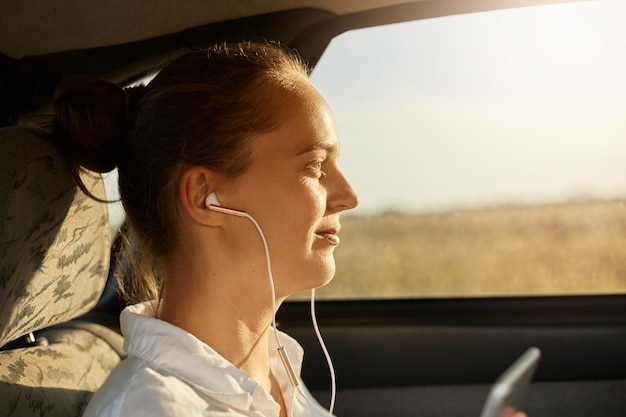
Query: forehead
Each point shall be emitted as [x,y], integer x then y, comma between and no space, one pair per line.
[306,124]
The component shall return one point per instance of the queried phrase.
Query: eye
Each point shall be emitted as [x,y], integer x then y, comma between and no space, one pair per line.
[316,167]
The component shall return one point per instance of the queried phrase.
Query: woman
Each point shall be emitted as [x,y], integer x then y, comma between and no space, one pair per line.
[237,126]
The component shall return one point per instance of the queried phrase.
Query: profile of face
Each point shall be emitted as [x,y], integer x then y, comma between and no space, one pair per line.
[295,190]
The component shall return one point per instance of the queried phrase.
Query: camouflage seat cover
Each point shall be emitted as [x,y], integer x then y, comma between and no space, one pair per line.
[54,261]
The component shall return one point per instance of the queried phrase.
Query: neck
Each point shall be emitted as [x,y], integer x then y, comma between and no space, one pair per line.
[234,322]
[221,294]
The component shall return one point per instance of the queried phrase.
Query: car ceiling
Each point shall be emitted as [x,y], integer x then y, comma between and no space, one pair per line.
[42,42]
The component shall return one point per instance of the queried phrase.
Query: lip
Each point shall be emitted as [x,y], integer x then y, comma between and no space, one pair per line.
[331,235]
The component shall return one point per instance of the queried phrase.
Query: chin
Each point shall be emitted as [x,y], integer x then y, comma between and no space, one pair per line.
[317,279]
[325,277]
[329,278]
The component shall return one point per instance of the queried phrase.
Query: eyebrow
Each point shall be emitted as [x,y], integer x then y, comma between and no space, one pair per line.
[319,146]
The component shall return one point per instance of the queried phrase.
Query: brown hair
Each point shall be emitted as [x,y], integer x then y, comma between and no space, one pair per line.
[200,110]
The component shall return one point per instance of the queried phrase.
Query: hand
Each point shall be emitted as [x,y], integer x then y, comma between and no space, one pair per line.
[512,412]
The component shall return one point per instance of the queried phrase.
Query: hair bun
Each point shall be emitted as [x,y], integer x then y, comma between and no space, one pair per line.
[91,119]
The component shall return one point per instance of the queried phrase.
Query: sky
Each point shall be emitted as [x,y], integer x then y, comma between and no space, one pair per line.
[516,106]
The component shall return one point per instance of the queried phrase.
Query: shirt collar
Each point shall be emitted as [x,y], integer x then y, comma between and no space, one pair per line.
[180,353]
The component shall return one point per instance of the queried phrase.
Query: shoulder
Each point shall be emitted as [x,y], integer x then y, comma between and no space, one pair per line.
[136,388]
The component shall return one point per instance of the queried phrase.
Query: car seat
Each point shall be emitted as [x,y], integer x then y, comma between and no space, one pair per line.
[55,247]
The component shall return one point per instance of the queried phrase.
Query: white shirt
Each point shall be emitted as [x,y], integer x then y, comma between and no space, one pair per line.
[169,372]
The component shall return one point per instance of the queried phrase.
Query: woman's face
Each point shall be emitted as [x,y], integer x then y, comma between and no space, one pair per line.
[294,189]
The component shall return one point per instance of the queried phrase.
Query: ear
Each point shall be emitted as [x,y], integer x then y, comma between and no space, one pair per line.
[195,185]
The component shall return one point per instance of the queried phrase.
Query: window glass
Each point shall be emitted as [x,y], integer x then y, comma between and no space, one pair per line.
[488,151]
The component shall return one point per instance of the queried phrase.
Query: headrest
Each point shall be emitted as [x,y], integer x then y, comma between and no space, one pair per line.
[55,241]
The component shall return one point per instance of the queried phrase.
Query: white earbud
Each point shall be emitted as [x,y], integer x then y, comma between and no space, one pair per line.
[212,203]
[212,200]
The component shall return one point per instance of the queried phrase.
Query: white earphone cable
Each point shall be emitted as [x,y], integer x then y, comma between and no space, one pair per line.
[293,378]
[282,353]
[269,273]
[331,368]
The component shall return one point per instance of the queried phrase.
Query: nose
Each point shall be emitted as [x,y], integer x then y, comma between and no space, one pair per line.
[341,196]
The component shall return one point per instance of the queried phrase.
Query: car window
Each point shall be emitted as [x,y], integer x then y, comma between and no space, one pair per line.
[488,151]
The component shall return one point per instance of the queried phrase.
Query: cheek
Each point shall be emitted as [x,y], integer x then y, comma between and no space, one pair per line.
[313,209]
[298,218]
[291,209]
[308,199]
[315,197]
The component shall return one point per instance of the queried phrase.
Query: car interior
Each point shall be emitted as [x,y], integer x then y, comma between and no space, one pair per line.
[400,356]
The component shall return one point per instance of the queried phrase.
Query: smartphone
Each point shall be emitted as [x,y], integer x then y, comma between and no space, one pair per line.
[509,390]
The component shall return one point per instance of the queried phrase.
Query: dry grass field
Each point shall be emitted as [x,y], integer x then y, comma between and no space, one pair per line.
[573,248]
